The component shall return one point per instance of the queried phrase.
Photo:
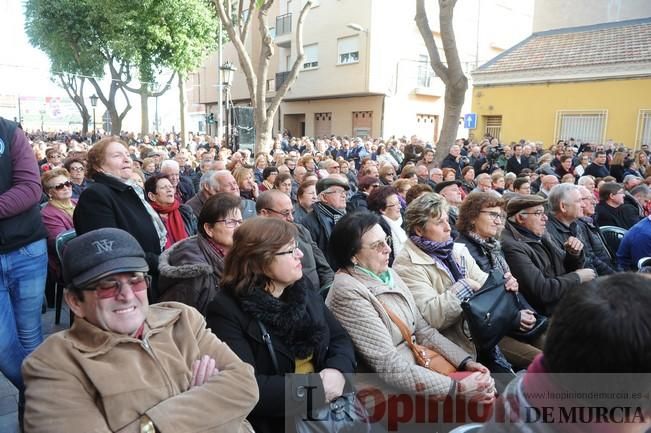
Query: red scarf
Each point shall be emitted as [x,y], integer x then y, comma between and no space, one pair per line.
[173,223]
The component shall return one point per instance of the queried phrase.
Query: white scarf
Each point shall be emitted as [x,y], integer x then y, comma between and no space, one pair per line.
[398,235]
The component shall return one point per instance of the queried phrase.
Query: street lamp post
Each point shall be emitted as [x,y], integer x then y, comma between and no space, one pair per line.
[42,112]
[93,102]
[227,70]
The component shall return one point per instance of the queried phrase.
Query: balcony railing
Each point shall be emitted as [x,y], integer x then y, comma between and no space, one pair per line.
[281,77]
[283,24]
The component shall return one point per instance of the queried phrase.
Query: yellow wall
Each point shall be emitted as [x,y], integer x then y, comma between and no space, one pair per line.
[529,110]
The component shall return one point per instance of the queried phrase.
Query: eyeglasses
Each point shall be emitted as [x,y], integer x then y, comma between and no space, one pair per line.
[537,213]
[284,214]
[54,155]
[379,246]
[493,215]
[230,223]
[78,168]
[106,289]
[60,186]
[295,252]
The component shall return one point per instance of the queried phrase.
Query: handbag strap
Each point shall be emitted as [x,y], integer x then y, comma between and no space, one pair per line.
[402,326]
[266,337]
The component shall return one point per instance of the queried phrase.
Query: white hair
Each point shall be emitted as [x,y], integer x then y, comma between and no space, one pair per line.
[169,163]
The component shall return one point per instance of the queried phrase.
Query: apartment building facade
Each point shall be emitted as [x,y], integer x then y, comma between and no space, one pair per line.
[366,70]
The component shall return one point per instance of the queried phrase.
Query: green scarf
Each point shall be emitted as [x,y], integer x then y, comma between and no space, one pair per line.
[385,277]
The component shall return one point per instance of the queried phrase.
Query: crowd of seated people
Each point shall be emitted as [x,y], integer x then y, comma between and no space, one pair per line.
[270,274]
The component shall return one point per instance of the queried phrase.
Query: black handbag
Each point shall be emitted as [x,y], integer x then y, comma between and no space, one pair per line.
[344,414]
[491,313]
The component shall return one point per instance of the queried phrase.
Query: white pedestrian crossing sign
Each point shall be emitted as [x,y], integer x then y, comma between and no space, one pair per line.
[470,120]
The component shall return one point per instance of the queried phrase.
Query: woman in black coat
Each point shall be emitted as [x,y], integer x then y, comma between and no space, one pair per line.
[111,201]
[263,285]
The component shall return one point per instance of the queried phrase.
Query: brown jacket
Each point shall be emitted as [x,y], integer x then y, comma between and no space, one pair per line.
[355,301]
[86,379]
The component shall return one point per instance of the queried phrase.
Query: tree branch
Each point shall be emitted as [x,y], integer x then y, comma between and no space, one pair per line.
[165,89]
[446,15]
[426,32]
[244,29]
[298,62]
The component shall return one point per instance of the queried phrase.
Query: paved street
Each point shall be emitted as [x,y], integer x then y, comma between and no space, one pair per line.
[8,394]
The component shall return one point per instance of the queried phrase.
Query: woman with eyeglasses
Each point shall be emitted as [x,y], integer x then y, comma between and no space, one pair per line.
[179,219]
[271,317]
[77,171]
[481,220]
[384,201]
[364,294]
[191,270]
[57,213]
[441,273]
[306,197]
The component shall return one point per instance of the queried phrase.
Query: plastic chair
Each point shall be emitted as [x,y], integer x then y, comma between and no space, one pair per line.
[468,428]
[613,236]
[61,240]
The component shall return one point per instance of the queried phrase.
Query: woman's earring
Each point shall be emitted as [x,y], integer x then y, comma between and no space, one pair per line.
[354,260]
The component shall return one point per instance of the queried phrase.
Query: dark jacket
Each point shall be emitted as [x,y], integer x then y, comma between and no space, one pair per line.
[189,219]
[20,187]
[241,332]
[596,170]
[315,266]
[196,203]
[543,276]
[596,253]
[357,202]
[108,202]
[559,233]
[190,272]
[512,165]
[320,227]
[185,189]
[624,216]
[451,162]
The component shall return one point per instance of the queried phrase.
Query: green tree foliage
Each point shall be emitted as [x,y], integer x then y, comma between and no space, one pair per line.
[124,37]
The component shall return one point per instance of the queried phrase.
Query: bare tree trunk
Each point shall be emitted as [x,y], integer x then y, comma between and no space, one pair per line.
[144,112]
[183,108]
[456,83]
[256,77]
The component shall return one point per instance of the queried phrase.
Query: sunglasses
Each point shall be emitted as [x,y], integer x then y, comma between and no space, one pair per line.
[59,187]
[106,289]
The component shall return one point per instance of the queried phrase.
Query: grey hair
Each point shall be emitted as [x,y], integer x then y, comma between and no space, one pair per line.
[421,209]
[558,194]
[169,163]
[584,179]
[218,174]
[208,179]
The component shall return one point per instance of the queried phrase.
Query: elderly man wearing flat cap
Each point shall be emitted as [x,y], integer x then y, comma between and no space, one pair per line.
[544,276]
[450,190]
[331,193]
[125,366]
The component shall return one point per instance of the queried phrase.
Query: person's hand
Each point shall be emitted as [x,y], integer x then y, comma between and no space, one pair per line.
[573,246]
[586,274]
[254,189]
[527,320]
[474,285]
[202,370]
[479,387]
[333,383]
[475,366]
[510,283]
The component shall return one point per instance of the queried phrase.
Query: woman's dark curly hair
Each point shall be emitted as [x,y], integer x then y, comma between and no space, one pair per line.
[474,203]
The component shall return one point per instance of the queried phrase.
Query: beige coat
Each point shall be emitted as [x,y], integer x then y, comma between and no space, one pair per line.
[429,283]
[86,379]
[355,300]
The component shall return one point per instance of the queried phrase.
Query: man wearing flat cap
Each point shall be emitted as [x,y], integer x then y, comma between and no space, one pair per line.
[543,275]
[450,190]
[331,193]
[125,366]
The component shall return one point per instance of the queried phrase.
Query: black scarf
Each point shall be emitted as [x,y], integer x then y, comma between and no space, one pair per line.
[493,250]
[287,318]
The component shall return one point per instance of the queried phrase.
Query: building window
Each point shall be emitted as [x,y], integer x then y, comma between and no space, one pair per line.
[424,73]
[644,128]
[348,50]
[586,126]
[311,60]
[493,126]
[362,123]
